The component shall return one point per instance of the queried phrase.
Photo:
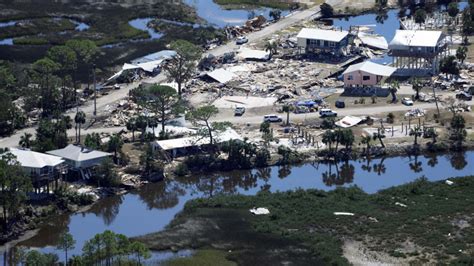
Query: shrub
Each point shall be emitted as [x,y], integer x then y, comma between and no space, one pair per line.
[181,169]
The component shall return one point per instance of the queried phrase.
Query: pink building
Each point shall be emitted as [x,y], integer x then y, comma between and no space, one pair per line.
[366,74]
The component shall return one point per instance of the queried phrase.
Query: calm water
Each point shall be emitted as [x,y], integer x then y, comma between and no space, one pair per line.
[152,207]
[220,17]
[141,24]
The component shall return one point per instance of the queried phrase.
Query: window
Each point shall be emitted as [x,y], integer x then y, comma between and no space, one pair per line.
[326,43]
[350,77]
[366,78]
[332,44]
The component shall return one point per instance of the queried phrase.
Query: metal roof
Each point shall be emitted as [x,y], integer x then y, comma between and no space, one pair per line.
[372,68]
[78,153]
[32,159]
[415,38]
[325,35]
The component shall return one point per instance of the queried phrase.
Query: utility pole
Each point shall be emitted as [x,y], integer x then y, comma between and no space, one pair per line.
[95,90]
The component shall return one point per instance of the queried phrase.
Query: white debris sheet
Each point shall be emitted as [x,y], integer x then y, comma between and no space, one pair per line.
[373,41]
[260,211]
[348,121]
[221,75]
[250,54]
[344,213]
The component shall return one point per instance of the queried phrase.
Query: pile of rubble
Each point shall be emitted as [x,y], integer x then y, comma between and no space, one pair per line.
[283,79]
[251,25]
[120,114]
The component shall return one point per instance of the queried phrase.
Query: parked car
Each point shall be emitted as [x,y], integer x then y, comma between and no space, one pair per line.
[327,113]
[407,101]
[239,111]
[340,104]
[241,40]
[464,96]
[272,118]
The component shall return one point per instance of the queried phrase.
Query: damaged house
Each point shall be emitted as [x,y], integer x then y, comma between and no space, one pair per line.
[322,41]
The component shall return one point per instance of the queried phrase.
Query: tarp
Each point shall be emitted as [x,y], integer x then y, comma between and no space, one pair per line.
[221,75]
[348,121]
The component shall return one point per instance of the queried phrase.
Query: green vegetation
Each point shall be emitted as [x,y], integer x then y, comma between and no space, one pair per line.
[277,4]
[327,10]
[14,185]
[181,67]
[203,258]
[107,248]
[383,222]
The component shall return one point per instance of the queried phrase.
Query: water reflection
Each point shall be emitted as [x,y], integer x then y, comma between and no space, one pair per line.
[415,165]
[107,209]
[152,207]
[163,195]
[339,176]
[458,160]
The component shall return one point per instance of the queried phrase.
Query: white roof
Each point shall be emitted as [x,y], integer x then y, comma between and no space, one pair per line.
[254,54]
[415,38]
[325,35]
[164,54]
[372,68]
[78,154]
[221,75]
[34,159]
[170,144]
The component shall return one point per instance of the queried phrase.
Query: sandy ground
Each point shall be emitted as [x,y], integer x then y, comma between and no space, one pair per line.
[358,254]
[341,5]
[247,102]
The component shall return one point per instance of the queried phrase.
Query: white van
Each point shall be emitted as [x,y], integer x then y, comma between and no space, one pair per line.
[272,118]
[327,113]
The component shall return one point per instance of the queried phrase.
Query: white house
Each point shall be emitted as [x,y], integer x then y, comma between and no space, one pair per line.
[418,52]
[366,74]
[79,157]
[319,40]
[41,167]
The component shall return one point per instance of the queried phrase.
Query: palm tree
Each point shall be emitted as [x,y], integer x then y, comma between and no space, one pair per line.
[394,87]
[366,139]
[461,53]
[115,145]
[132,126]
[417,86]
[79,119]
[287,108]
[25,140]
[271,47]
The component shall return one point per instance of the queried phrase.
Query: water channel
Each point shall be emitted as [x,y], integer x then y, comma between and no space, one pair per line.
[80,26]
[152,207]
